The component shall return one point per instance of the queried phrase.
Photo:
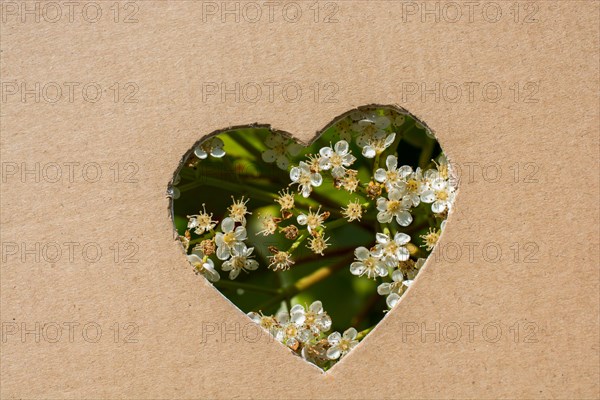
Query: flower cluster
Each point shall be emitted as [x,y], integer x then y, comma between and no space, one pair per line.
[407,188]
[280,150]
[358,179]
[304,330]
[402,278]
[212,147]
[227,244]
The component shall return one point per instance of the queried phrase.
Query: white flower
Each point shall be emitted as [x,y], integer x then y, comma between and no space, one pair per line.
[279,150]
[227,240]
[341,344]
[203,265]
[358,115]
[239,261]
[368,262]
[399,120]
[312,220]
[285,200]
[213,146]
[281,260]
[305,178]
[315,318]
[238,210]
[394,175]
[378,144]
[269,225]
[412,186]
[431,238]
[353,211]
[370,127]
[394,289]
[267,322]
[318,244]
[443,167]
[440,193]
[292,331]
[392,207]
[336,159]
[344,129]
[202,222]
[409,182]
[392,250]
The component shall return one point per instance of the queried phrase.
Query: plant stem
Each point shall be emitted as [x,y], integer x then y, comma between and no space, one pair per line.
[298,242]
[245,286]
[248,146]
[206,236]
[336,224]
[306,282]
[332,253]
[364,333]
[252,191]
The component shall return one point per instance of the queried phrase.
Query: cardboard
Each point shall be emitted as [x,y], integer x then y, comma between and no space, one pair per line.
[83,173]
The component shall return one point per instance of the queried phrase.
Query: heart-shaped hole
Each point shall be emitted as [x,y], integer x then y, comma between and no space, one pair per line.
[315,242]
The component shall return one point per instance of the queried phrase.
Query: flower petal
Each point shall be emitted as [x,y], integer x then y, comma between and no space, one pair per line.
[384,217]
[384,289]
[222,253]
[251,265]
[382,238]
[405,170]
[316,307]
[234,273]
[362,253]
[338,172]
[391,162]
[369,152]
[217,152]
[397,276]
[350,334]
[438,206]
[295,174]
[404,218]
[334,338]
[316,179]
[341,147]
[357,268]
[401,238]
[333,353]
[402,254]
[326,152]
[212,275]
[200,153]
[297,308]
[269,156]
[380,175]
[240,233]
[298,318]
[428,196]
[283,162]
[395,194]
[392,300]
[302,219]
[227,225]
[294,149]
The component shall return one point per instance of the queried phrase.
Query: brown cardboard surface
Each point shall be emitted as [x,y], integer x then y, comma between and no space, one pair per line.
[528,158]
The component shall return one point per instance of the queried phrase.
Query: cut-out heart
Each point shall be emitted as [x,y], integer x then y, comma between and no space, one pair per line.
[287,231]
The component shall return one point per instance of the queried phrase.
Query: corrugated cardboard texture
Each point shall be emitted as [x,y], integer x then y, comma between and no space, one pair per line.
[528,319]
